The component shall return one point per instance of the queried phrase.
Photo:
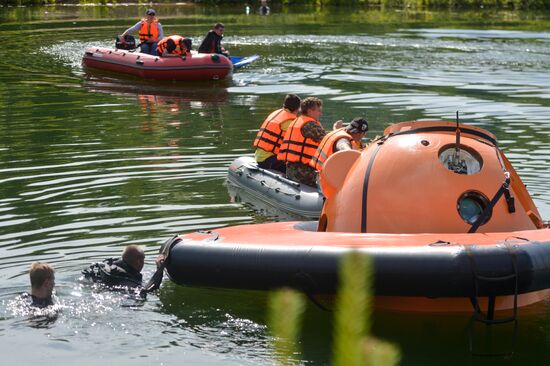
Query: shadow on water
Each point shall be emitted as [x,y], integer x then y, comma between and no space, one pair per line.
[231,321]
[427,339]
[167,93]
[157,99]
[424,339]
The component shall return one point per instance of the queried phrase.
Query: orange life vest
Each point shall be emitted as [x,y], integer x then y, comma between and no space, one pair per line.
[327,147]
[296,148]
[161,47]
[271,135]
[148,30]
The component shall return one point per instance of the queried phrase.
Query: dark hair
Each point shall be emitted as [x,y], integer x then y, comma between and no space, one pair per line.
[187,42]
[292,102]
[219,25]
[310,103]
[132,254]
[358,125]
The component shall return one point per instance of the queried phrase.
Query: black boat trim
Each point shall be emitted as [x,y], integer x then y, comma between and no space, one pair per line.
[428,271]
[364,205]
[469,131]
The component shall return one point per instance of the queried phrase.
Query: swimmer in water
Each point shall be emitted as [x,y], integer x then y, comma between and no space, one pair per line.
[124,272]
[42,277]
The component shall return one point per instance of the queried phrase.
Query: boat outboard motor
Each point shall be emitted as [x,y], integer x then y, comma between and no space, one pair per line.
[128,44]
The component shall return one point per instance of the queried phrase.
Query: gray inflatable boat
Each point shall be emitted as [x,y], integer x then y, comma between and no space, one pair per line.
[274,189]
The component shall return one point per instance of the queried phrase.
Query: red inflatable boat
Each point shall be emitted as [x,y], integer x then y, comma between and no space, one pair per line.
[198,66]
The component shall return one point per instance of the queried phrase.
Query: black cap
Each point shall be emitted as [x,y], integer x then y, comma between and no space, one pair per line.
[358,125]
[151,12]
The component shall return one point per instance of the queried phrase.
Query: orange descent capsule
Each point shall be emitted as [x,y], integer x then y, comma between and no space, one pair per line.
[412,181]
[445,218]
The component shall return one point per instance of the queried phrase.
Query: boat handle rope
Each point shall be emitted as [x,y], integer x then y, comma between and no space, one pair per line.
[274,175]
[213,235]
[277,190]
[503,190]
[489,318]
[469,249]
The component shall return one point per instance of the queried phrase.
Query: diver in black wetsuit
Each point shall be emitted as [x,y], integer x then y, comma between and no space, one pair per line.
[125,272]
[42,284]
[212,42]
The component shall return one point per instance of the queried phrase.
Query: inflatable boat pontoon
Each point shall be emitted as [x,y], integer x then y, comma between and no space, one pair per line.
[198,66]
[274,189]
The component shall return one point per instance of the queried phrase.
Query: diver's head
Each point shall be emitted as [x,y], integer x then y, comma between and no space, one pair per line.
[134,256]
[42,279]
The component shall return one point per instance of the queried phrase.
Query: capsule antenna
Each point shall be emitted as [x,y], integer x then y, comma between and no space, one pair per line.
[457,147]
[455,163]
[456,157]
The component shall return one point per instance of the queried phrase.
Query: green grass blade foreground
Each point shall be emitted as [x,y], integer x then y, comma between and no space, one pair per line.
[352,344]
[286,308]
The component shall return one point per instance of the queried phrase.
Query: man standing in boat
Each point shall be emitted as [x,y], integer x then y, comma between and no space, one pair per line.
[212,42]
[347,138]
[150,32]
[301,141]
[271,133]
[174,46]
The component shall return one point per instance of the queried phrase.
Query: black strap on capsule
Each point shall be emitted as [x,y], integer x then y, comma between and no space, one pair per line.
[503,190]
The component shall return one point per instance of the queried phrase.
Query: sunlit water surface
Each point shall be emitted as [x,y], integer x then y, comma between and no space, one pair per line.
[90,163]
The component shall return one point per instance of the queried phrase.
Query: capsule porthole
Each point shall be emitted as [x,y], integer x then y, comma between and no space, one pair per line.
[471,206]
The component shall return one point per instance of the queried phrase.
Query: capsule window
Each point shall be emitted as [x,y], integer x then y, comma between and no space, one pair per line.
[464,160]
[471,205]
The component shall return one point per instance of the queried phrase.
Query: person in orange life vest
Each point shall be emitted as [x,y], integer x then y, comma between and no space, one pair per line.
[271,133]
[301,141]
[150,32]
[174,46]
[346,138]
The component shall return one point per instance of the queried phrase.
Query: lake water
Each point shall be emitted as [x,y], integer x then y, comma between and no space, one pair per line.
[91,163]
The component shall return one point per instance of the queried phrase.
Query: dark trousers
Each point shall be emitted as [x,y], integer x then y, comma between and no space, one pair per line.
[273,163]
[301,173]
[149,48]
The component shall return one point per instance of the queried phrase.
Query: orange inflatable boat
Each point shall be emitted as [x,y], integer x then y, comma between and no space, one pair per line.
[199,66]
[441,211]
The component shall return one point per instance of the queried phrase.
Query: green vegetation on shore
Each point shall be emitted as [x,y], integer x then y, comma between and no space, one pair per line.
[352,343]
[198,17]
[393,4]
